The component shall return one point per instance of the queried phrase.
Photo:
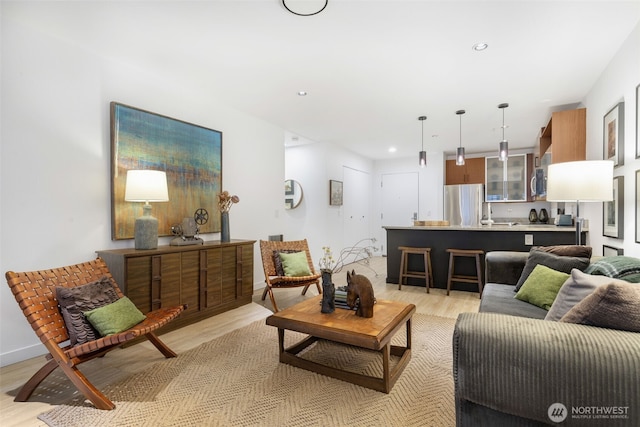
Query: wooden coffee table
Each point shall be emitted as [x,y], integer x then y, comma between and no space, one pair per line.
[343,326]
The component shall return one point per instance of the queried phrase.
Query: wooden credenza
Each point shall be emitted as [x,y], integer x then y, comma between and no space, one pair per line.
[210,278]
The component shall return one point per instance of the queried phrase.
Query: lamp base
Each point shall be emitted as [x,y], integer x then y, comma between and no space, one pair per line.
[146,230]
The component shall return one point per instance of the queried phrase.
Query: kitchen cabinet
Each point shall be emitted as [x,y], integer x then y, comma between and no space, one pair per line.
[509,181]
[472,172]
[210,278]
[565,136]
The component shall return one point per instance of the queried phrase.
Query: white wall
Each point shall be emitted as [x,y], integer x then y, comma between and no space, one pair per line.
[617,83]
[313,165]
[55,160]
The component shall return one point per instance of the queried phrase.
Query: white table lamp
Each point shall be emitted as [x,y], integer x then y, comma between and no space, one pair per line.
[146,186]
[581,181]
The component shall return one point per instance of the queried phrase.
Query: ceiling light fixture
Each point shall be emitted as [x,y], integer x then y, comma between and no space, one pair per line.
[302,93]
[504,145]
[422,159]
[478,47]
[392,149]
[305,7]
[460,150]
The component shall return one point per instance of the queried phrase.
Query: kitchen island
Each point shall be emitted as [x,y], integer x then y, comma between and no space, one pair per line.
[487,237]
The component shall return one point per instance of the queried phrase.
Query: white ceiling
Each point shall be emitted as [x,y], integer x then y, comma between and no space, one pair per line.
[370,67]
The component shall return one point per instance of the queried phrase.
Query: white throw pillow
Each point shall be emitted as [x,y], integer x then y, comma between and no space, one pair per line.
[577,287]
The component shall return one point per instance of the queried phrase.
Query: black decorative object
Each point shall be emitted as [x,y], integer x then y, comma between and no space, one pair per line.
[543,217]
[533,216]
[328,293]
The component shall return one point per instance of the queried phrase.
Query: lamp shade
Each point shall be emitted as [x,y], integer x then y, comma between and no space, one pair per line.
[584,181]
[146,186]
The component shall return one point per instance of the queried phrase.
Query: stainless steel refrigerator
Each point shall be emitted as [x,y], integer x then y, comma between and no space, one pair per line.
[463,204]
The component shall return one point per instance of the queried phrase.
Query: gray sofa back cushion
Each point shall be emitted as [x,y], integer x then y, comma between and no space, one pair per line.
[555,262]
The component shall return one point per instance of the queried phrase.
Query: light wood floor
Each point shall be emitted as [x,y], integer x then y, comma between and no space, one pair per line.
[122,362]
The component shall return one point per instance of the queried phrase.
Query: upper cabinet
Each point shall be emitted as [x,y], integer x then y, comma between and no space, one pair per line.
[565,136]
[509,181]
[472,172]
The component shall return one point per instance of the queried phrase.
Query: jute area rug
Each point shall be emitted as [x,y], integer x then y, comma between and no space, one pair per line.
[236,380]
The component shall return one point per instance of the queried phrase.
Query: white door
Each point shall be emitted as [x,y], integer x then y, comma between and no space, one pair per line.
[356,207]
[399,201]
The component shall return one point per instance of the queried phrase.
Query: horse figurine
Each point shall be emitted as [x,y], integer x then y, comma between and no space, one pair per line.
[359,287]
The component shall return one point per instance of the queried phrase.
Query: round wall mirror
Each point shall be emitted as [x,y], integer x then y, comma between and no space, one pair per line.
[292,194]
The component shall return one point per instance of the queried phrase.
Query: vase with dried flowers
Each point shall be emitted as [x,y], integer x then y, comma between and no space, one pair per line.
[225,201]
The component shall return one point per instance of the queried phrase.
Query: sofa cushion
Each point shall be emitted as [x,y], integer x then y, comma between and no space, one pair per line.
[618,267]
[614,306]
[542,286]
[556,262]
[498,298]
[574,290]
[579,251]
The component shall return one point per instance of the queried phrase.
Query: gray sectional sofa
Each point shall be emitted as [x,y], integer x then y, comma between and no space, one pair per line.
[513,368]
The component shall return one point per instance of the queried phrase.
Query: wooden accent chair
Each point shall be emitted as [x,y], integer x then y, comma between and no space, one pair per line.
[271,277]
[36,294]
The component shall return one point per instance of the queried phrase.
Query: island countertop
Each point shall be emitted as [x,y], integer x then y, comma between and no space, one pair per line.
[492,227]
[496,237]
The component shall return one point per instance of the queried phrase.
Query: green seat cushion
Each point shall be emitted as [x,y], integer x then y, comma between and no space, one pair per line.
[295,264]
[115,317]
[542,286]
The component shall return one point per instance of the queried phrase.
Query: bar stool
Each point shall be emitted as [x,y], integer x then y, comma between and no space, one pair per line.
[473,253]
[427,274]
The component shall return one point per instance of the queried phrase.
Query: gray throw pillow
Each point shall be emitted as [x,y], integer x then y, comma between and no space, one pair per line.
[575,289]
[559,263]
[614,306]
[74,301]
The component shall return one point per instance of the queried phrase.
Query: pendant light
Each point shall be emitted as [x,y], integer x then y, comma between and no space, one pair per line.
[504,145]
[460,150]
[422,159]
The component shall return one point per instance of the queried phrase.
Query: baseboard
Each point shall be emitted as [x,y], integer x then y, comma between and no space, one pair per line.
[22,354]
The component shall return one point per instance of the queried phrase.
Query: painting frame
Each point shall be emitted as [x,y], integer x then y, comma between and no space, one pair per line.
[335,193]
[611,251]
[613,211]
[637,121]
[191,156]
[638,206]
[613,135]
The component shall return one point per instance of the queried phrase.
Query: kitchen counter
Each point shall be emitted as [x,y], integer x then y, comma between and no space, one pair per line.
[493,227]
[495,237]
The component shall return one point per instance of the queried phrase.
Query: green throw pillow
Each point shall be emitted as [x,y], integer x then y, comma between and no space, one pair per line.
[115,317]
[542,286]
[295,264]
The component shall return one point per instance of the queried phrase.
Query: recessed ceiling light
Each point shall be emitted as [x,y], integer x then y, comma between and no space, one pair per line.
[302,93]
[392,149]
[480,46]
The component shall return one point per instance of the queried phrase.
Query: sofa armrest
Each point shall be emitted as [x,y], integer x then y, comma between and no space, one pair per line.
[504,266]
[522,366]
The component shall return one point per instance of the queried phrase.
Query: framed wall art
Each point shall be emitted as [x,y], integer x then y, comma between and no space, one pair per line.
[611,251]
[637,121]
[614,135]
[335,193]
[191,155]
[613,211]
[638,206]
